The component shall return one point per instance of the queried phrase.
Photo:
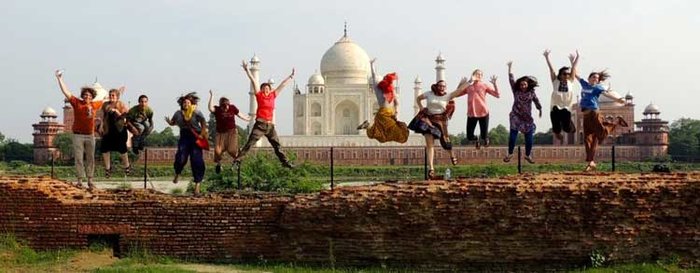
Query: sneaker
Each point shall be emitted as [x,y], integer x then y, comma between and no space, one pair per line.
[364,125]
[127,170]
[508,158]
[288,165]
[108,173]
[217,169]
[487,142]
[478,144]
[91,186]
[529,159]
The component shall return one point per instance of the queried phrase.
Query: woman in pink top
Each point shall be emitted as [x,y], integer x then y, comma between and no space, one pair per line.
[477,111]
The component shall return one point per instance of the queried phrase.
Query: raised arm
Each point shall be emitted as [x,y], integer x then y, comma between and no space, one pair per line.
[574,64]
[374,71]
[284,82]
[511,79]
[62,85]
[211,101]
[253,81]
[494,92]
[552,75]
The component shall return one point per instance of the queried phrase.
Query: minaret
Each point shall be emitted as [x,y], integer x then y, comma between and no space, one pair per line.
[439,68]
[254,70]
[416,92]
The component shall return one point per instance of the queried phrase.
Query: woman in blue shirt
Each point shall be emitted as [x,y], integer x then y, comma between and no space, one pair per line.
[595,127]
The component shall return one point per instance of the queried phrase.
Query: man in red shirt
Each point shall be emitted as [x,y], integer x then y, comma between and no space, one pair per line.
[226,131]
[264,125]
[84,112]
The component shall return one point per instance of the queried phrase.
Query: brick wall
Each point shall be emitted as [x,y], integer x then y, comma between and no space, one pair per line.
[414,155]
[529,221]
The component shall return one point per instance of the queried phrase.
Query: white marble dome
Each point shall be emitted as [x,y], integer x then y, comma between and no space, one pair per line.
[652,109]
[316,79]
[345,63]
[101,92]
[48,112]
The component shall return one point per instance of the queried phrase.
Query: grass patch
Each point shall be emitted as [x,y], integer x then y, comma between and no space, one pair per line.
[15,254]
[638,268]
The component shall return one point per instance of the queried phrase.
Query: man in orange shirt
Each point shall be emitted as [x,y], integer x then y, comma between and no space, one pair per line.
[84,112]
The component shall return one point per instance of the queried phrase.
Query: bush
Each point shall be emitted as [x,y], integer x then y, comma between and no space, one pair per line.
[263,172]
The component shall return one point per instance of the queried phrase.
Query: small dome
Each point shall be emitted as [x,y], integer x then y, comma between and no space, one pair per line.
[316,79]
[48,112]
[651,109]
[629,96]
[418,80]
[255,59]
[271,81]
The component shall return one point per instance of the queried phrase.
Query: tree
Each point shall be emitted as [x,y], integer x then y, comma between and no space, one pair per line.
[14,150]
[165,138]
[684,139]
[499,135]
[64,143]
[459,139]
[544,138]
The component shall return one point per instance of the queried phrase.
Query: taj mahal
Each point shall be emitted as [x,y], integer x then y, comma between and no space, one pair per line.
[337,99]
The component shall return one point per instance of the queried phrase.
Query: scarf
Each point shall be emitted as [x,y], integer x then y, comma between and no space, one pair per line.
[187,113]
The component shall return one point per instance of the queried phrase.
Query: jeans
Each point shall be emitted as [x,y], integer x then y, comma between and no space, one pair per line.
[528,141]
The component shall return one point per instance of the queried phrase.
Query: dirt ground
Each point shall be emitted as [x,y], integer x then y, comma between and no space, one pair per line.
[87,261]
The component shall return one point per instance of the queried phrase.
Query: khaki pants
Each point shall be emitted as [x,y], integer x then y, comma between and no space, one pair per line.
[595,130]
[262,129]
[84,147]
[226,142]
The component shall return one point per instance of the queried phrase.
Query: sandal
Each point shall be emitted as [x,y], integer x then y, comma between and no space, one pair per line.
[454,161]
[108,173]
[590,167]
[508,158]
[127,170]
[431,174]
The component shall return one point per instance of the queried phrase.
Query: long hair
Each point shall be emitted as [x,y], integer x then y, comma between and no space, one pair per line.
[192,97]
[602,75]
[531,83]
[436,91]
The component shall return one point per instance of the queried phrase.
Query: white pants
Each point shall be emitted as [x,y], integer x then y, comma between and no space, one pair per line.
[84,147]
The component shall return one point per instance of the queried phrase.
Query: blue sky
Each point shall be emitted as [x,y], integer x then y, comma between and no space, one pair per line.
[165,48]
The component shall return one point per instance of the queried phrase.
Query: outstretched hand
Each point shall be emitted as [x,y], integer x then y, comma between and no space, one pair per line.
[59,73]
[244,64]
[211,93]
[540,110]
[168,121]
[546,53]
[292,75]
[493,79]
